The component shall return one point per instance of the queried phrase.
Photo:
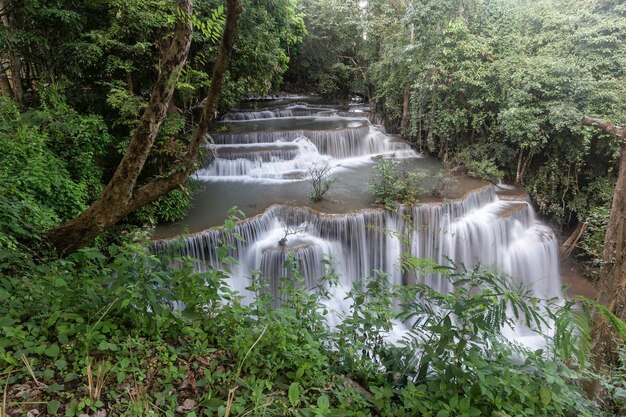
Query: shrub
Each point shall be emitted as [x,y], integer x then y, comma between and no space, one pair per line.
[440,183]
[167,208]
[393,184]
[321,180]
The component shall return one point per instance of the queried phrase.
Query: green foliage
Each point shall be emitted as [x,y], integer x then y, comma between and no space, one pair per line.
[361,334]
[479,165]
[458,362]
[80,141]
[336,70]
[393,183]
[440,183]
[211,28]
[592,242]
[617,385]
[501,86]
[32,174]
[89,67]
[128,105]
[269,32]
[167,208]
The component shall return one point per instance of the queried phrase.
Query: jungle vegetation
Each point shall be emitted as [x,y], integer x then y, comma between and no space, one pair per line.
[105,102]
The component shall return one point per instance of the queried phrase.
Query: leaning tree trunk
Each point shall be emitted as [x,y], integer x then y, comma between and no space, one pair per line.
[121,196]
[612,289]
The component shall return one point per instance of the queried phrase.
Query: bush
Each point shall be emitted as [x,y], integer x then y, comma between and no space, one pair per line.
[167,208]
[441,183]
[592,241]
[30,173]
[392,184]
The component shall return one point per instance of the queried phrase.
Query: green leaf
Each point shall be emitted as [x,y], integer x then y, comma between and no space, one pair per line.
[6,321]
[55,388]
[464,404]
[61,364]
[323,402]
[104,345]
[52,351]
[546,395]
[473,412]
[48,374]
[70,377]
[294,393]
[53,407]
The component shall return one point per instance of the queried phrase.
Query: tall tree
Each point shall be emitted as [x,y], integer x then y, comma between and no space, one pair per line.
[613,285]
[121,195]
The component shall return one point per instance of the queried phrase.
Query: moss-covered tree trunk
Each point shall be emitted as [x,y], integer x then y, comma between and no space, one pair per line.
[121,195]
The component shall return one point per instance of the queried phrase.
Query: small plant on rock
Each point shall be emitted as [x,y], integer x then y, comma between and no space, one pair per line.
[321,180]
[289,230]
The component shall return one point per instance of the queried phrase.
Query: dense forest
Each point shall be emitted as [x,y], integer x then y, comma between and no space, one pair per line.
[105,108]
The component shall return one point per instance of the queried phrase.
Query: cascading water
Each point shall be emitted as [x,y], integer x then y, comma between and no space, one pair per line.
[480,227]
[501,235]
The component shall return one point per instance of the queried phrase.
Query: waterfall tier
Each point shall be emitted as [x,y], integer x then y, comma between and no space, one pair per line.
[289,154]
[479,229]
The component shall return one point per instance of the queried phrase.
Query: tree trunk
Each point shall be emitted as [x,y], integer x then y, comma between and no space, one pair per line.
[15,63]
[113,202]
[518,172]
[121,197]
[612,288]
[406,108]
[5,84]
[16,77]
[522,166]
[129,81]
[572,241]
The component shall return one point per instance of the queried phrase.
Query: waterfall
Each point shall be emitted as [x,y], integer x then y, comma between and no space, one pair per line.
[498,232]
[280,154]
[254,115]
[478,229]
[294,110]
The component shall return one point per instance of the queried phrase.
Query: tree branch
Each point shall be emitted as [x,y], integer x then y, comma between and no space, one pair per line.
[606,126]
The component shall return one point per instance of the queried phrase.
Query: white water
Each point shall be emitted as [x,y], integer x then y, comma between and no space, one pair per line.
[290,154]
[500,235]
